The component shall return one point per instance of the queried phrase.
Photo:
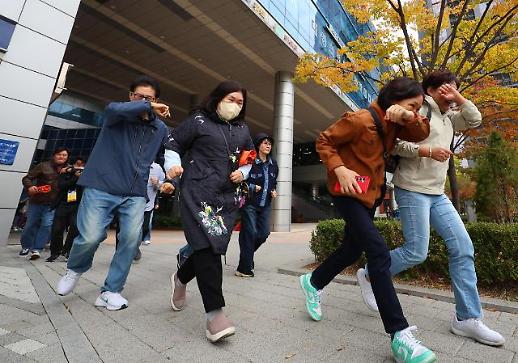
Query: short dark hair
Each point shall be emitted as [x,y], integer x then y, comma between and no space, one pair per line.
[437,78]
[60,149]
[398,89]
[145,81]
[210,103]
[80,158]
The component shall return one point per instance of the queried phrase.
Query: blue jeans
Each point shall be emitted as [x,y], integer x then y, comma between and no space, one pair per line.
[95,214]
[418,212]
[255,229]
[38,227]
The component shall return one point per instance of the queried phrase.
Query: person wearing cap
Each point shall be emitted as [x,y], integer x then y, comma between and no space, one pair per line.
[255,214]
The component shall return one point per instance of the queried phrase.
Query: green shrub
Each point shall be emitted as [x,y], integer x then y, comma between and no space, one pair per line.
[496,249]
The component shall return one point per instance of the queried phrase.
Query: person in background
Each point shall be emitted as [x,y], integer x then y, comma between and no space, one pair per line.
[115,183]
[215,136]
[156,183]
[65,210]
[41,186]
[353,150]
[255,215]
[419,180]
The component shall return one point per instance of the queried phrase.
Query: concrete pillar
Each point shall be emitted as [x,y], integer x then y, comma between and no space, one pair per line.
[283,149]
[29,67]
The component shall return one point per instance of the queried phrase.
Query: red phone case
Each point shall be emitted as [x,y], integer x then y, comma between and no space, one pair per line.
[44,188]
[363,182]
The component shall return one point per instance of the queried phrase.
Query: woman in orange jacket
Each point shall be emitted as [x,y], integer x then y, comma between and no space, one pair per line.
[354,149]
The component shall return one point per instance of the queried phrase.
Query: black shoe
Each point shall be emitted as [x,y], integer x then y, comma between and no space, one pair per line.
[24,252]
[138,256]
[52,258]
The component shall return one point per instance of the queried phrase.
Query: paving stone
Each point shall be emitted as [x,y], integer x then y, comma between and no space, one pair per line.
[15,284]
[25,346]
[482,353]
[8,356]
[3,331]
[49,354]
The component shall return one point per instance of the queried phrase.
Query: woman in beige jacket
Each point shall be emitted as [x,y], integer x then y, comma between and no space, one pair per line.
[419,180]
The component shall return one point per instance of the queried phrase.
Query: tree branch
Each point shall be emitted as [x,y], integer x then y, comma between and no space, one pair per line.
[505,18]
[454,32]
[488,46]
[490,73]
[436,35]
[408,42]
[472,37]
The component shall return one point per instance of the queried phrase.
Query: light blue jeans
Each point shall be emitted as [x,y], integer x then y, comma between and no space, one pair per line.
[36,232]
[95,214]
[419,212]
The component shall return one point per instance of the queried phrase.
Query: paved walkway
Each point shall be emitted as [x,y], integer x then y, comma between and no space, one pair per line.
[272,325]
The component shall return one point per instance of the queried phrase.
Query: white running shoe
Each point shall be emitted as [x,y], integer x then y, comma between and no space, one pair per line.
[476,329]
[68,282]
[111,301]
[146,243]
[367,293]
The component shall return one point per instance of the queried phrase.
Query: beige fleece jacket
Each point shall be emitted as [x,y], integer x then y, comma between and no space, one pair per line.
[426,175]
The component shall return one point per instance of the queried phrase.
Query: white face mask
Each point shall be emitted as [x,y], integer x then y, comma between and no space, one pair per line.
[228,110]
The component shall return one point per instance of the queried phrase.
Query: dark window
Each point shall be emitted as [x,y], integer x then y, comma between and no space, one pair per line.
[6,32]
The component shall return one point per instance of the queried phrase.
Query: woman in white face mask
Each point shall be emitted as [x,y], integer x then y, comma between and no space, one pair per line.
[215,136]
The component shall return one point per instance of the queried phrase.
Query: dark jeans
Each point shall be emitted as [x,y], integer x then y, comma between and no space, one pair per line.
[205,265]
[255,229]
[146,224]
[64,217]
[360,235]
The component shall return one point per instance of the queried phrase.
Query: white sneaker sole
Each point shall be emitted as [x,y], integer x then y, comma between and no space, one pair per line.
[173,287]
[360,278]
[483,341]
[100,303]
[214,338]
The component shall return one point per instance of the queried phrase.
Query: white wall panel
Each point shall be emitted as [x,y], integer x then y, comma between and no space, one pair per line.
[11,9]
[44,19]
[23,85]
[6,216]
[67,6]
[12,188]
[21,119]
[35,51]
[23,156]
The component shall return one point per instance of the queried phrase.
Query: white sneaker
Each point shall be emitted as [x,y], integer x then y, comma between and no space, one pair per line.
[68,282]
[367,294]
[476,329]
[146,243]
[35,255]
[111,301]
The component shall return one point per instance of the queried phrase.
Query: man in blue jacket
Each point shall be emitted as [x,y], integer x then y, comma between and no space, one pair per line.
[255,215]
[115,183]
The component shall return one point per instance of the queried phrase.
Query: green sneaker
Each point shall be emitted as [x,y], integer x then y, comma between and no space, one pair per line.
[407,349]
[312,297]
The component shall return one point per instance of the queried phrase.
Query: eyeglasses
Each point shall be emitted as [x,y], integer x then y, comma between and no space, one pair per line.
[140,96]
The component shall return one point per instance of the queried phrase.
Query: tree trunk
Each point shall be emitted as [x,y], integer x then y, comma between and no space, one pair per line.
[454,185]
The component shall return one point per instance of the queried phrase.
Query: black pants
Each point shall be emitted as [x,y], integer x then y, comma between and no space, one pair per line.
[145,224]
[64,217]
[361,235]
[205,265]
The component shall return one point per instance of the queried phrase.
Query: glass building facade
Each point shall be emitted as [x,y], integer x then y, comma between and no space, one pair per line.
[323,26]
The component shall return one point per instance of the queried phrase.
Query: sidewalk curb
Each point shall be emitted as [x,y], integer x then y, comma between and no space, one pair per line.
[435,294]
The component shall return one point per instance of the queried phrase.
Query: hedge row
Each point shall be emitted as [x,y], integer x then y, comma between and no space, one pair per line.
[496,249]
